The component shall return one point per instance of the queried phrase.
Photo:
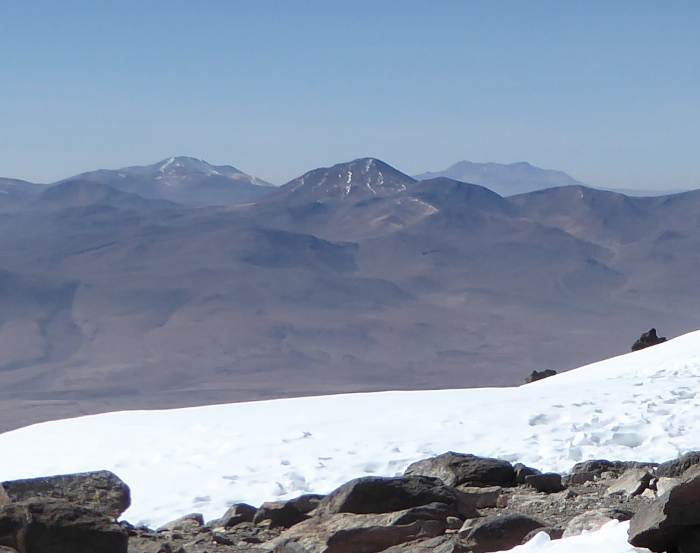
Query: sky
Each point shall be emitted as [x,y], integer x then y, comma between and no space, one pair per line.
[606,91]
[642,406]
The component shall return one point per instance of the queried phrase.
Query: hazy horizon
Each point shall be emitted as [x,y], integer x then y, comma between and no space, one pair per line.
[604,92]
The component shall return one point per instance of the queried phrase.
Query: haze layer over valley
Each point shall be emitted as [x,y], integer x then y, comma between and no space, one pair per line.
[184,284]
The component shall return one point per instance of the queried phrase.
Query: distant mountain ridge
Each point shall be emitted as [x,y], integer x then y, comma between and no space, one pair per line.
[184,180]
[506,180]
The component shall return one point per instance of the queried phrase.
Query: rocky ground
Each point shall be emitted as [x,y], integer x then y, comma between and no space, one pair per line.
[447,504]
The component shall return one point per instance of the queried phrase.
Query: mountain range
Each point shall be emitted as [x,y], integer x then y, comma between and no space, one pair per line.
[356,277]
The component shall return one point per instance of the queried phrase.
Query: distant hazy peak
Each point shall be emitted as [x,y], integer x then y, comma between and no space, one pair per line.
[513,178]
[357,179]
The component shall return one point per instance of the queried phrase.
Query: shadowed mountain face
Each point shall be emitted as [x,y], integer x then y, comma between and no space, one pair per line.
[507,180]
[183,180]
[352,278]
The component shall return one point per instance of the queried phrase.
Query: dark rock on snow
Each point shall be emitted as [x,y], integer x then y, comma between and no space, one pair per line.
[647,339]
[539,375]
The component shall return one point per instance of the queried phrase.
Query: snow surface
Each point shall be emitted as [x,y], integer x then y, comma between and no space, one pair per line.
[640,406]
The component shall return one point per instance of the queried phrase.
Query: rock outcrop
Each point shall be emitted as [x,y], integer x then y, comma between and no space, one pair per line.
[648,339]
[101,491]
[539,375]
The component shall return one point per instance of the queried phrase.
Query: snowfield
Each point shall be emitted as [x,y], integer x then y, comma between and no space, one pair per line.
[640,406]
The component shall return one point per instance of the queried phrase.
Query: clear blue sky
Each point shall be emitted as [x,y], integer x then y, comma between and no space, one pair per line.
[608,91]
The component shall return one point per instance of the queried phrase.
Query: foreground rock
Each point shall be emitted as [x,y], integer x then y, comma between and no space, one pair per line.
[368,533]
[52,526]
[672,520]
[101,491]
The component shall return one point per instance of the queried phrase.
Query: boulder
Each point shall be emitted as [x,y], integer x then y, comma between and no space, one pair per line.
[364,533]
[521,471]
[101,491]
[539,375]
[501,533]
[46,525]
[234,515]
[280,514]
[648,339]
[676,467]
[461,468]
[632,482]
[546,483]
[374,494]
[593,520]
[187,523]
[660,525]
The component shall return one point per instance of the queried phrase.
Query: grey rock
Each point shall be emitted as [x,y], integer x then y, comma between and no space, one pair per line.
[460,468]
[101,491]
[546,483]
[352,533]
[664,484]
[188,523]
[440,544]
[633,482]
[375,494]
[593,520]
[481,497]
[659,525]
[501,533]
[235,514]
